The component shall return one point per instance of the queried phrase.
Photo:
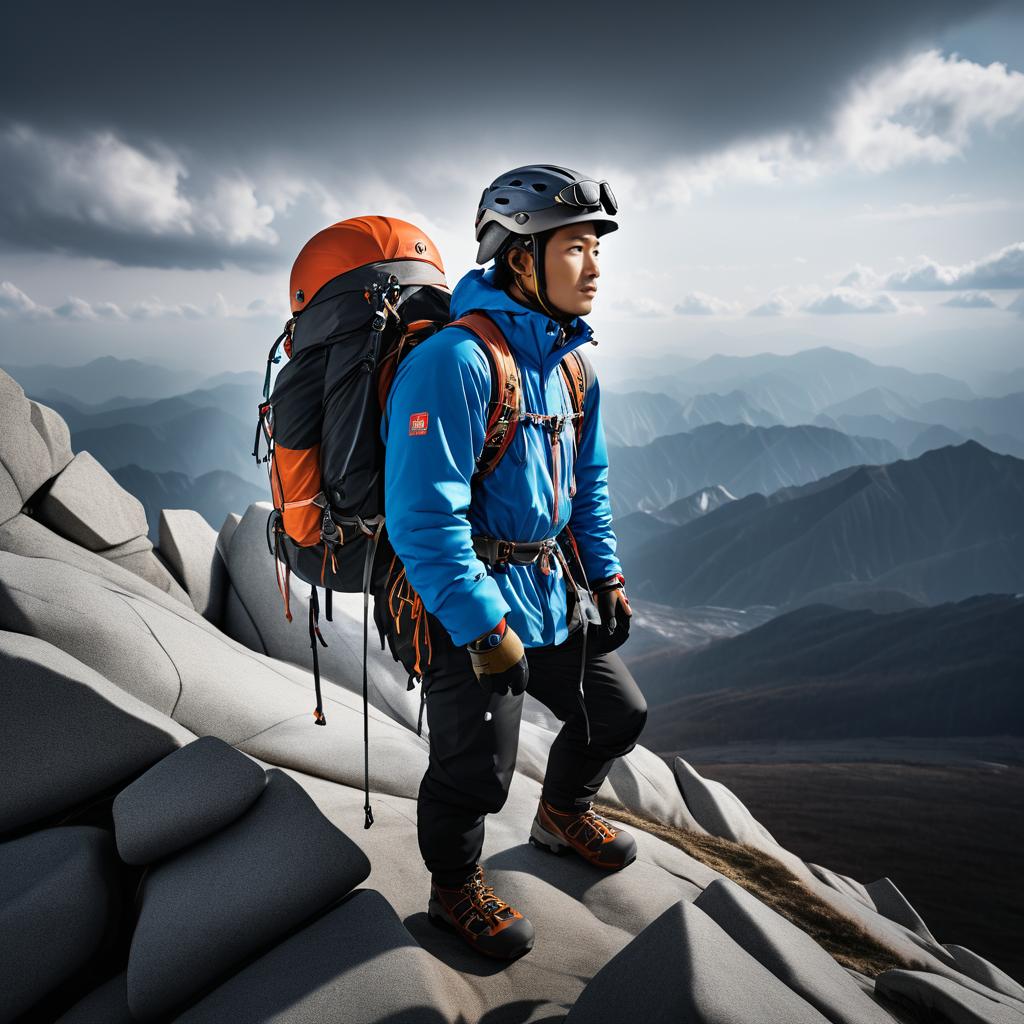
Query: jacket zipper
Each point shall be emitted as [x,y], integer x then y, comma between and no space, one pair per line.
[555,445]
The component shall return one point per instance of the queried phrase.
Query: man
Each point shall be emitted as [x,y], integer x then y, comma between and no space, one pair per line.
[499,627]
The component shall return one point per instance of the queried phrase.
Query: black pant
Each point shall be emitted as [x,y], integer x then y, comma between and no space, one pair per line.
[472,760]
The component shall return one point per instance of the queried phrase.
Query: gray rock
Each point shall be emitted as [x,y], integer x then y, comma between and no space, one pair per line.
[789,953]
[138,557]
[93,622]
[189,544]
[582,919]
[192,793]
[219,902]
[980,970]
[56,901]
[29,538]
[684,967]
[69,734]
[11,501]
[718,809]
[56,436]
[87,505]
[643,782]
[897,937]
[169,656]
[25,461]
[946,1000]
[226,532]
[238,623]
[320,975]
[843,884]
[721,813]
[894,905]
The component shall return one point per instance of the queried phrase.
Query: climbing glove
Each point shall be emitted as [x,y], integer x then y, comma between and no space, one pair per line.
[499,660]
[613,606]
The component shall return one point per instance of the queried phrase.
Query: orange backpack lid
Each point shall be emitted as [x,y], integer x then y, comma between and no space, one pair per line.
[354,243]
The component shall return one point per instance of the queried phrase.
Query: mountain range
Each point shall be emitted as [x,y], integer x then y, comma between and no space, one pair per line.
[741,458]
[796,387]
[997,423]
[199,432]
[638,417]
[213,495]
[940,527]
[822,673]
[105,379]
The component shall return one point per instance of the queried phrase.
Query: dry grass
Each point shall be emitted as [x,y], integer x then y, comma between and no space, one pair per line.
[777,887]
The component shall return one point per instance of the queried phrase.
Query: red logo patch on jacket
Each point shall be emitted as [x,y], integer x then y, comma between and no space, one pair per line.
[418,423]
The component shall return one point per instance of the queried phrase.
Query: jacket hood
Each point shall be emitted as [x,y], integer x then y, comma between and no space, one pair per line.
[530,334]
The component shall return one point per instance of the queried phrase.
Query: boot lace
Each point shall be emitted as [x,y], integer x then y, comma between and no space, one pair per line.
[593,821]
[482,897]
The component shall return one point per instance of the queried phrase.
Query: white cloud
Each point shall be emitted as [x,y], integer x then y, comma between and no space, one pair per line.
[14,302]
[702,304]
[1002,269]
[925,108]
[232,212]
[862,277]
[971,300]
[950,207]
[777,305]
[156,309]
[764,161]
[641,308]
[1017,306]
[847,300]
[78,309]
[100,179]
[99,186]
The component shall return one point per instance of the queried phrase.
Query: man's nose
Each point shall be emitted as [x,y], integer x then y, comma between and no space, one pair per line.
[592,269]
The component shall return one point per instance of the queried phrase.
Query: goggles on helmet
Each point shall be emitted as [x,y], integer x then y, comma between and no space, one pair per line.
[588,193]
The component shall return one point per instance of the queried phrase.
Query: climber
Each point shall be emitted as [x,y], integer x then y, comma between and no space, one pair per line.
[511,618]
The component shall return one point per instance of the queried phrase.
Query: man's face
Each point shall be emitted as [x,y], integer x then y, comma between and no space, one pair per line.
[570,268]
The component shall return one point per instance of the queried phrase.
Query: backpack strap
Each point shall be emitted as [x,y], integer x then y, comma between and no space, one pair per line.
[578,375]
[412,335]
[503,408]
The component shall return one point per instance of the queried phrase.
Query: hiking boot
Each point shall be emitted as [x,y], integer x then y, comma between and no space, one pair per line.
[590,835]
[485,921]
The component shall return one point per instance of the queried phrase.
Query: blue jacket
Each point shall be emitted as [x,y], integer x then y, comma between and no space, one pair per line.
[437,407]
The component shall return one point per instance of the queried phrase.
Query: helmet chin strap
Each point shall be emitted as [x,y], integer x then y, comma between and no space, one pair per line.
[536,292]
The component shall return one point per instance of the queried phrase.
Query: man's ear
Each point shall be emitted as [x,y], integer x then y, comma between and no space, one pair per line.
[520,261]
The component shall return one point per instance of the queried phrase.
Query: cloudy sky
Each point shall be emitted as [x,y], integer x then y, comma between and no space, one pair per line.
[789,174]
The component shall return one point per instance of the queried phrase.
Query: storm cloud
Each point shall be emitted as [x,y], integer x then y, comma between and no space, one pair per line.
[347,77]
[202,139]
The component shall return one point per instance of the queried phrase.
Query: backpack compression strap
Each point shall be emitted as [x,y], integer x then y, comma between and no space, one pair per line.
[503,408]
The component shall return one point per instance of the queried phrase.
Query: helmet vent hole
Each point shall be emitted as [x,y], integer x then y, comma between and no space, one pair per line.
[502,200]
[516,182]
[539,186]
